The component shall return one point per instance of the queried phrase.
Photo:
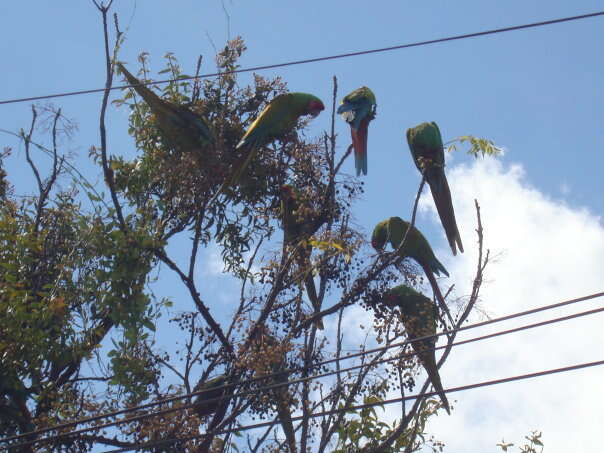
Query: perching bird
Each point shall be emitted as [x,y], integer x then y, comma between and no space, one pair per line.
[427,150]
[416,246]
[212,389]
[277,118]
[358,109]
[182,128]
[418,314]
[299,224]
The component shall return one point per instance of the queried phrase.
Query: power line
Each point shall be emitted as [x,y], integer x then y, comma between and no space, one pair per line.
[319,59]
[281,384]
[299,369]
[369,405]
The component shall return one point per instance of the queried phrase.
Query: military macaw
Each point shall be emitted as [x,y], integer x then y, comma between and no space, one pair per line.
[212,389]
[418,314]
[277,118]
[298,226]
[416,246]
[182,128]
[428,153]
[358,109]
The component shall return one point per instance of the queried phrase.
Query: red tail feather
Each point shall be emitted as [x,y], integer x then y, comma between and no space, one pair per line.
[359,142]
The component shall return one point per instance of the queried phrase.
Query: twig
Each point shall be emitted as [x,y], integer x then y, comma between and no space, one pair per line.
[107,171]
[205,312]
[360,284]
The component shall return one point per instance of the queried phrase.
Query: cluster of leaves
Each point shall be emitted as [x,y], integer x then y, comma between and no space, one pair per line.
[66,278]
[365,429]
[534,445]
[478,146]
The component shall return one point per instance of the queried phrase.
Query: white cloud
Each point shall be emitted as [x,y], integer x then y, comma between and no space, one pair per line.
[548,252]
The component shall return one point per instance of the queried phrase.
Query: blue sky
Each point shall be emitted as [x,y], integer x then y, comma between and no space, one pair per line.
[538,93]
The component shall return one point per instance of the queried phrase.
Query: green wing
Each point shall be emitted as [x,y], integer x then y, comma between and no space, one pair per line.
[418,314]
[425,143]
[278,117]
[416,245]
[275,120]
[181,127]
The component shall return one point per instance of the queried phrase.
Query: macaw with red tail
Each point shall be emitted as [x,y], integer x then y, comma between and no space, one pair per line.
[277,118]
[428,153]
[358,109]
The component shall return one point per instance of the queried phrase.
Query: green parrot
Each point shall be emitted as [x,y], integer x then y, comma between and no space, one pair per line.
[203,408]
[416,247]
[428,153]
[418,314]
[277,118]
[182,128]
[358,109]
[298,226]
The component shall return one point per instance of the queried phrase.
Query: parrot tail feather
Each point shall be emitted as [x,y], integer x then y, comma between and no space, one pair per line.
[444,206]
[359,142]
[152,99]
[234,177]
[429,363]
[439,296]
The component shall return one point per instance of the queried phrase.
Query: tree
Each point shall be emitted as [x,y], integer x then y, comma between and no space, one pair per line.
[77,310]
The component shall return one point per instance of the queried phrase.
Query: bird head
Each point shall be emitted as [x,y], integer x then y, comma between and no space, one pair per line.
[390,299]
[379,236]
[315,107]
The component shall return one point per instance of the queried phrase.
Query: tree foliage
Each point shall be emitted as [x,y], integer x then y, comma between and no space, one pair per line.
[78,263]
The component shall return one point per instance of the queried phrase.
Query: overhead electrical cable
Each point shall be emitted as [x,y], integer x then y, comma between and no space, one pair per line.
[368,405]
[318,59]
[276,385]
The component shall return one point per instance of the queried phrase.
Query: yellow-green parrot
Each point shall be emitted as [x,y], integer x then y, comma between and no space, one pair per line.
[182,128]
[277,118]
[358,109]
[299,224]
[419,314]
[426,145]
[416,246]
